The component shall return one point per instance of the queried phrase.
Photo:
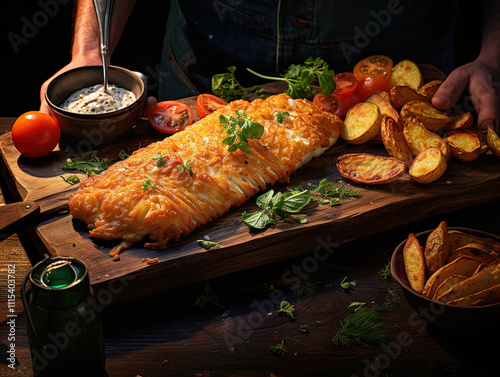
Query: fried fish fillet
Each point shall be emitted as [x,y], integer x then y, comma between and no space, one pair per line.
[171,187]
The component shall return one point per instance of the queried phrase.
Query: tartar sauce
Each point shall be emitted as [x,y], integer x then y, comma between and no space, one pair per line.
[93,100]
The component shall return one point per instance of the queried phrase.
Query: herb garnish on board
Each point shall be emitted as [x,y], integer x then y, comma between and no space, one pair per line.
[90,165]
[225,86]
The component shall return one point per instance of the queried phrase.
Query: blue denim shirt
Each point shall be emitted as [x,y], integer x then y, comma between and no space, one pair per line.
[205,37]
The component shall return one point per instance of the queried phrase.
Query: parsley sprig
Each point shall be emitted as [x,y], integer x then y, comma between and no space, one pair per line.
[240,128]
[306,80]
[225,86]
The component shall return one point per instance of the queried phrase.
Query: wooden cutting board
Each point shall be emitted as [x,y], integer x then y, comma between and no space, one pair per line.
[377,208]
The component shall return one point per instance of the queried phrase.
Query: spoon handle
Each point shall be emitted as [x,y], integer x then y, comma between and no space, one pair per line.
[103,10]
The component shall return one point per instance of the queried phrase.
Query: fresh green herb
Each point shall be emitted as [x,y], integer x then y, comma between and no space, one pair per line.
[72,179]
[362,326]
[205,298]
[278,349]
[147,185]
[225,86]
[240,128]
[209,245]
[280,117]
[286,308]
[356,305]
[305,329]
[185,166]
[90,165]
[302,289]
[160,161]
[385,271]
[306,80]
[329,193]
[274,206]
[123,155]
[345,284]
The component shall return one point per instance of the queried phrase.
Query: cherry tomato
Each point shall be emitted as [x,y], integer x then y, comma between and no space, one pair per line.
[348,101]
[330,103]
[376,65]
[171,116]
[35,134]
[207,104]
[371,84]
[345,83]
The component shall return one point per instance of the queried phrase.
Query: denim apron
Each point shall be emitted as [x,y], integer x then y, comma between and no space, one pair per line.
[203,38]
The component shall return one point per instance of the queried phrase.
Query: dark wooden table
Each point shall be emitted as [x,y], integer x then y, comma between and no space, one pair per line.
[168,335]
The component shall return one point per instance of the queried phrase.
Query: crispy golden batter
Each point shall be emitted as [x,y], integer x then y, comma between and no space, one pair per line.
[116,204]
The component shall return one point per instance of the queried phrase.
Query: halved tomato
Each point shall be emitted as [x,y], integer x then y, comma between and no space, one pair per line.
[372,84]
[338,105]
[171,116]
[207,104]
[345,83]
[376,65]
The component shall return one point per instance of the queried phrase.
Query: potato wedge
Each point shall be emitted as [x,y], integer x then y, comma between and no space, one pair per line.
[428,166]
[493,141]
[432,118]
[447,284]
[461,266]
[414,263]
[370,169]
[402,94]
[481,135]
[459,239]
[361,124]
[481,252]
[406,72]
[419,138]
[465,146]
[429,89]
[385,107]
[485,279]
[394,141]
[485,297]
[437,248]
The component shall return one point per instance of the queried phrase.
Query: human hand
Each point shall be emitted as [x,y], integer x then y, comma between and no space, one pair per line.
[482,81]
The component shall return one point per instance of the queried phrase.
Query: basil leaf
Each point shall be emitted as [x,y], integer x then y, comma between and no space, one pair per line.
[264,199]
[257,220]
[295,201]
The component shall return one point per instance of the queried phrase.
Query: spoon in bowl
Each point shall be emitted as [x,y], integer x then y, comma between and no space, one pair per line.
[103,11]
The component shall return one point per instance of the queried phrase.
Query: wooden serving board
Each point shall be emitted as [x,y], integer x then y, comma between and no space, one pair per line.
[378,208]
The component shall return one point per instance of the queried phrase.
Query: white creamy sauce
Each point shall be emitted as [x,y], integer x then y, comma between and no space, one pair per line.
[93,100]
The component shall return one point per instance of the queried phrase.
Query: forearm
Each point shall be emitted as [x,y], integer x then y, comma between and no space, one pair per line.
[490,44]
[86,42]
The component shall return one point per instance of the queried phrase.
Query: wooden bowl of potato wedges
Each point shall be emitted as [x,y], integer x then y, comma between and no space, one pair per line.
[451,277]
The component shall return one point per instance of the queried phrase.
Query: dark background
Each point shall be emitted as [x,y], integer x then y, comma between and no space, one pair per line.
[45,52]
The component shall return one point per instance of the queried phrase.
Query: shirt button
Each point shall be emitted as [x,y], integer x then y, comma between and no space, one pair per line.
[297,21]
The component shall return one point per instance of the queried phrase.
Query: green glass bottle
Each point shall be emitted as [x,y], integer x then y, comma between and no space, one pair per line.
[64,328]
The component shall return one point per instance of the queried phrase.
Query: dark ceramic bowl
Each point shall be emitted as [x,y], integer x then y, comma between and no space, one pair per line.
[438,314]
[94,130]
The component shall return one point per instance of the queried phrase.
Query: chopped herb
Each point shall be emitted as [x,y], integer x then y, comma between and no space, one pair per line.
[147,185]
[302,289]
[240,128]
[330,193]
[123,155]
[90,165]
[286,308]
[185,166]
[362,326]
[345,284]
[228,88]
[206,297]
[72,179]
[276,205]
[385,272]
[306,80]
[160,161]
[209,245]
[280,117]
[305,329]
[356,305]
[278,349]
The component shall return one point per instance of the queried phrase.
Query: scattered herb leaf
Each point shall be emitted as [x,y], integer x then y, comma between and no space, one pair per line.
[306,80]
[240,128]
[329,193]
[305,329]
[185,166]
[209,245]
[362,326]
[72,179]
[281,116]
[147,185]
[385,271]
[286,308]
[123,155]
[345,284]
[225,86]
[205,298]
[278,349]
[160,161]
[90,165]
[303,288]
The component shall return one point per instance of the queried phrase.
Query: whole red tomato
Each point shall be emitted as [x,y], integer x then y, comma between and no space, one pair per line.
[35,134]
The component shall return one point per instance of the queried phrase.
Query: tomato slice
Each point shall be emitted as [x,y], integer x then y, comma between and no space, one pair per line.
[171,116]
[376,65]
[207,104]
[338,105]
[372,84]
[345,82]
